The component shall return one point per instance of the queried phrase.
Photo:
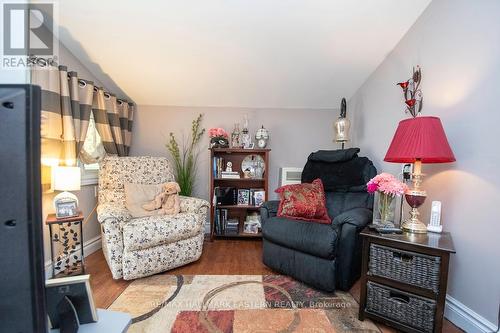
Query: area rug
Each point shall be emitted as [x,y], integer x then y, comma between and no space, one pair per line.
[236,303]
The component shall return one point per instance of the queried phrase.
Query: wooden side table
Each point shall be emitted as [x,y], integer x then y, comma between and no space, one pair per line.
[67,240]
[404,279]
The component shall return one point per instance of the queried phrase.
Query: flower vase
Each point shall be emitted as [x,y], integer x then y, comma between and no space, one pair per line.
[385,209]
[219,142]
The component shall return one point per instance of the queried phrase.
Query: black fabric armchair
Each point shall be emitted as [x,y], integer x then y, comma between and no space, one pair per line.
[325,256]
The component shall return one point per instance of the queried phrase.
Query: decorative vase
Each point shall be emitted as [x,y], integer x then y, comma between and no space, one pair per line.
[386,209]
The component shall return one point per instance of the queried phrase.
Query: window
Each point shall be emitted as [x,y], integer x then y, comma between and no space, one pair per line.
[92,151]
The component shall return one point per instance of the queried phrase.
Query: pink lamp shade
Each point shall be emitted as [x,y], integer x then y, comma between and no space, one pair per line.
[420,138]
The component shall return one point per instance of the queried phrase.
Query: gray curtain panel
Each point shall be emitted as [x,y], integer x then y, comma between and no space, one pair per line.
[113,118]
[114,122]
[48,78]
[81,93]
[102,121]
[126,112]
[131,112]
[68,126]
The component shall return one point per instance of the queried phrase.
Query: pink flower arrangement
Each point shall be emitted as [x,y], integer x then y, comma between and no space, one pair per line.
[387,184]
[217,133]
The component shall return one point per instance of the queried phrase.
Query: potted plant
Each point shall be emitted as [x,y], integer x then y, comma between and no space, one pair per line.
[185,161]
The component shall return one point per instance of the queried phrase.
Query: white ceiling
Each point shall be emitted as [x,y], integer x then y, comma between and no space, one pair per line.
[251,53]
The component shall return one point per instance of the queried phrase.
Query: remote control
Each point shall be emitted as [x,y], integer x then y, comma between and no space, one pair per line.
[389,230]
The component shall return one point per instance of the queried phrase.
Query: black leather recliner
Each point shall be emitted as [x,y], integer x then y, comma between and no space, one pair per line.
[323,256]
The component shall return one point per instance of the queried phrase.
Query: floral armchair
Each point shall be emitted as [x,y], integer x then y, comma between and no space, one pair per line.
[140,247]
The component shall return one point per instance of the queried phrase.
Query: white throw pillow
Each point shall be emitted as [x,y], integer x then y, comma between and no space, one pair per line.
[137,195]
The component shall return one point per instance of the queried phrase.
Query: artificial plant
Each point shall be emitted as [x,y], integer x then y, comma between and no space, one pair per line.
[185,159]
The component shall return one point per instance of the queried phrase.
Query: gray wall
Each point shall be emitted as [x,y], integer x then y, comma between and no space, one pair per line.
[457,45]
[294,133]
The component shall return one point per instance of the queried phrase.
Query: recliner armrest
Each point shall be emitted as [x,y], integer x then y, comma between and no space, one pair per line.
[193,205]
[349,224]
[358,217]
[112,216]
[269,209]
[112,210]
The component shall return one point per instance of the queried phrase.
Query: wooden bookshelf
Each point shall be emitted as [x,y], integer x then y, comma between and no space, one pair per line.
[239,212]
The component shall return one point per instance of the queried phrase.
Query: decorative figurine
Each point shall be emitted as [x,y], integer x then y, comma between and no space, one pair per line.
[229,166]
[259,170]
[262,136]
[235,136]
[342,125]
[412,94]
[245,140]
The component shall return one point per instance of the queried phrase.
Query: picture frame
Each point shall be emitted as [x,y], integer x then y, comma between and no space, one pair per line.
[66,208]
[243,197]
[251,227]
[259,197]
[75,293]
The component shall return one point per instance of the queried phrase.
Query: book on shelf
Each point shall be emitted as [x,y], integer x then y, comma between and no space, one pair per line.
[217,166]
[220,221]
[230,175]
[232,227]
[225,226]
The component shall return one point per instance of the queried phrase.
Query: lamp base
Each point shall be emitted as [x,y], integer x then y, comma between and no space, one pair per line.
[64,196]
[413,224]
[414,227]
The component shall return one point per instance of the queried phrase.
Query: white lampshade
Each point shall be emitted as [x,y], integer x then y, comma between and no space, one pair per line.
[66,178]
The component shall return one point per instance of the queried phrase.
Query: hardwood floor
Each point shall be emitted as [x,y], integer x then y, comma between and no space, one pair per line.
[220,257]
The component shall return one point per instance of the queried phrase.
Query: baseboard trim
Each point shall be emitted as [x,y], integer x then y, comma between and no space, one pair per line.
[92,245]
[89,247]
[465,318]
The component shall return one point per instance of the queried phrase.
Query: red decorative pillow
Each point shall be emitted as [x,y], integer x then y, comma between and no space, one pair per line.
[304,202]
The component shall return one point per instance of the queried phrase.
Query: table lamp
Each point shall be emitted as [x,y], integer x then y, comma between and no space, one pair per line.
[418,140]
[65,178]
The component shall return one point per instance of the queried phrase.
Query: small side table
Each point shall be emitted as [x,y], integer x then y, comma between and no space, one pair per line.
[404,279]
[67,240]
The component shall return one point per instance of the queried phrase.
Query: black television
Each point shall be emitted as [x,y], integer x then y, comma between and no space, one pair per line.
[22,299]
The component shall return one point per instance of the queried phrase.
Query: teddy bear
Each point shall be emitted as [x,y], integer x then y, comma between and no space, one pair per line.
[167,202]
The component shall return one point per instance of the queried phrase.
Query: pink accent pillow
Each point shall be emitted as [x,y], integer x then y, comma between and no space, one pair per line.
[304,202]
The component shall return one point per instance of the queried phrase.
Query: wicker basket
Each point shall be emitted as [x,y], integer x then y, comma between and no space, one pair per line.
[408,309]
[403,266]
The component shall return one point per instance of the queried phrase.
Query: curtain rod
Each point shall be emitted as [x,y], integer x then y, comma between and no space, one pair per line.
[43,62]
